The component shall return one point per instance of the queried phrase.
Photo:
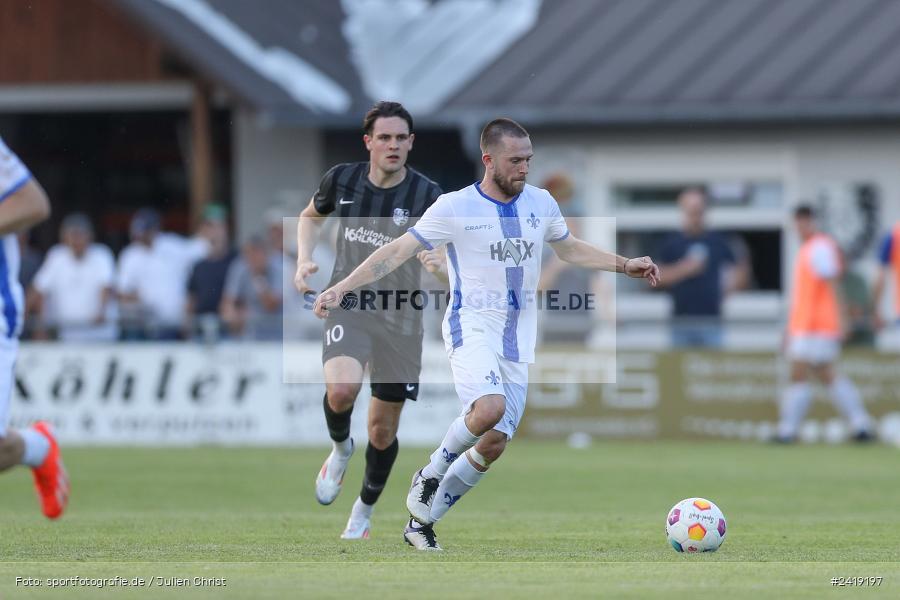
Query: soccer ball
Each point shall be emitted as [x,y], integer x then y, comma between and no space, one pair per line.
[695,525]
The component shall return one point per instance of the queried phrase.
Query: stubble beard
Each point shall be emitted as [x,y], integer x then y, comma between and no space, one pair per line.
[508,187]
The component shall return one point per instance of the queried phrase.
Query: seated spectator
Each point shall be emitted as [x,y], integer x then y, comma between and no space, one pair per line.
[152,278]
[207,279]
[251,303]
[73,289]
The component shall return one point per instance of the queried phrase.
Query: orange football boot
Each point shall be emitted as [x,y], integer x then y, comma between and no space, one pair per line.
[51,479]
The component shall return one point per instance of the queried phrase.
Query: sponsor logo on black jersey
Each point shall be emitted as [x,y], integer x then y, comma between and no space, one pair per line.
[364,235]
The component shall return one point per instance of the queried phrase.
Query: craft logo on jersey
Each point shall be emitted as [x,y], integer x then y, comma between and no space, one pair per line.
[401,216]
[515,249]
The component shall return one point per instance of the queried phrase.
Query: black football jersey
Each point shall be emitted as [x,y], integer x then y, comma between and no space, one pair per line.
[370,217]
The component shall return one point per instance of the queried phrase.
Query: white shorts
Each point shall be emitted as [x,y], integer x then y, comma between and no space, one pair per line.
[9,349]
[479,371]
[814,349]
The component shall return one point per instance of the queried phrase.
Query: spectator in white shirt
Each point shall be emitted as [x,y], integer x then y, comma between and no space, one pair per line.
[73,289]
[152,278]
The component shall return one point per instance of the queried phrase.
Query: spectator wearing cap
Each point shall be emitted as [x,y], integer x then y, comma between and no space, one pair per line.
[207,279]
[251,303]
[73,290]
[152,278]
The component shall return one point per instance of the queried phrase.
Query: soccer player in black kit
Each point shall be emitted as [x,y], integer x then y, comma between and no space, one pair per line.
[376,202]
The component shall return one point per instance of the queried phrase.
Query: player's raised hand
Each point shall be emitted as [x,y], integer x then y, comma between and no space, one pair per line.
[643,268]
[304,270]
[327,300]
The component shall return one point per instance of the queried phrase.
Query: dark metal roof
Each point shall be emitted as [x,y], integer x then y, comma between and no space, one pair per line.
[697,60]
[309,31]
[583,61]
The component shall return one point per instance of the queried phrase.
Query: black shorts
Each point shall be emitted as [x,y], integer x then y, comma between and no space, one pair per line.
[394,360]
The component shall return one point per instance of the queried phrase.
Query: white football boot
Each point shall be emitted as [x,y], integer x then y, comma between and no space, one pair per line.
[421,537]
[331,476]
[357,528]
[421,496]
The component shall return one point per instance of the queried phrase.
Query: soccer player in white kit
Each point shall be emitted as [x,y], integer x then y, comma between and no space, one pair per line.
[494,232]
[23,203]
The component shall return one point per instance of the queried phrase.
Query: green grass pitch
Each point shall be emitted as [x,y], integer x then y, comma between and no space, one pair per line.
[546,522]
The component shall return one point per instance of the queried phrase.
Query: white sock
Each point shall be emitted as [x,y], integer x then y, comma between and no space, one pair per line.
[361,509]
[36,447]
[795,402]
[458,440]
[343,449]
[460,478]
[848,401]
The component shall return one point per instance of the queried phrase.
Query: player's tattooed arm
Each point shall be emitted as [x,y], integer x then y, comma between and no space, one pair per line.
[382,268]
[381,262]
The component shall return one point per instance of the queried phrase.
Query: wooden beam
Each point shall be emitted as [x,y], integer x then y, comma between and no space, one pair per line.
[201,153]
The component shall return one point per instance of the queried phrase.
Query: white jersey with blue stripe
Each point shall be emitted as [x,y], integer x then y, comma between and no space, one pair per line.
[13,175]
[494,263]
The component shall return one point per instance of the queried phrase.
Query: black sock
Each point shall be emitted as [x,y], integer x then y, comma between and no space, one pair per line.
[338,423]
[378,467]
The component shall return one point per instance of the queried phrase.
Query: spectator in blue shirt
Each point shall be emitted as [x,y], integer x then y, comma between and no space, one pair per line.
[207,280]
[700,271]
[889,262]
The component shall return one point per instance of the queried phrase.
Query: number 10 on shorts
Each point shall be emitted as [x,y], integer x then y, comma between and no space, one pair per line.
[335,334]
